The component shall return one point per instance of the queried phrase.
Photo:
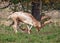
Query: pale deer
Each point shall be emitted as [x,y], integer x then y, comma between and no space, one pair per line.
[24,18]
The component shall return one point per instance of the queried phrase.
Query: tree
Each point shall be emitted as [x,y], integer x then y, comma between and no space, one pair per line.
[36,9]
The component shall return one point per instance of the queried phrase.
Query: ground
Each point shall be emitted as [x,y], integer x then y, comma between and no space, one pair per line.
[48,34]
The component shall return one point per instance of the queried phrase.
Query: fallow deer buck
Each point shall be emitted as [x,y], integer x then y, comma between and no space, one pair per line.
[24,18]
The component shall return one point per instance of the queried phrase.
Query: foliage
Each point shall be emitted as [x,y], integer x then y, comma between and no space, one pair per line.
[57,6]
[14,1]
[51,4]
[26,4]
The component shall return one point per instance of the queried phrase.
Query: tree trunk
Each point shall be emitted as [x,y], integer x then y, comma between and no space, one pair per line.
[36,9]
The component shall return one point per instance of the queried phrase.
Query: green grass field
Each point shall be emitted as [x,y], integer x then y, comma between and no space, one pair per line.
[48,34]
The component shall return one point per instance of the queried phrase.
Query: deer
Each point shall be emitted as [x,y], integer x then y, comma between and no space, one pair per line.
[26,18]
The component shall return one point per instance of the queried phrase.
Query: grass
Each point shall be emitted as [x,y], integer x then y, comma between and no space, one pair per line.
[48,34]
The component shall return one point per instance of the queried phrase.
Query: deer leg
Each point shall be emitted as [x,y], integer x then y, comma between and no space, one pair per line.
[15,25]
[15,28]
[46,22]
[29,29]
